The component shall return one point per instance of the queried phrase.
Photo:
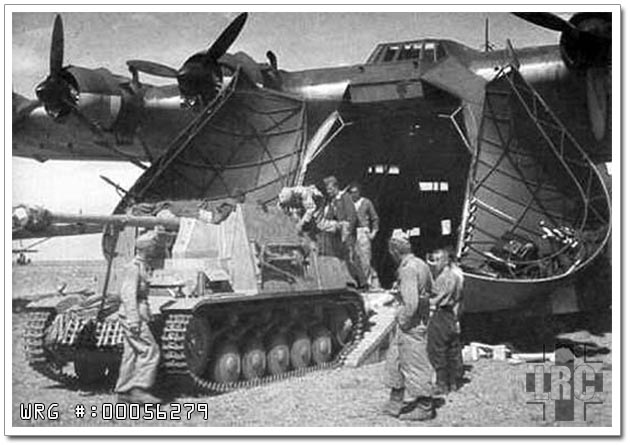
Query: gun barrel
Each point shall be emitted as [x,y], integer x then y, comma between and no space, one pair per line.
[123,220]
[37,220]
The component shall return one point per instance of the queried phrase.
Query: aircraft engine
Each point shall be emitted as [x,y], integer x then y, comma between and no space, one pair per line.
[58,91]
[587,43]
[201,76]
[589,50]
[96,95]
[586,48]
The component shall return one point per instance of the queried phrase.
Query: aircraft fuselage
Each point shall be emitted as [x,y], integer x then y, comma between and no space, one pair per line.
[126,126]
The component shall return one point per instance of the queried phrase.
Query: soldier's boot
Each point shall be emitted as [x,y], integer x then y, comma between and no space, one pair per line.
[422,409]
[454,382]
[394,405]
[138,395]
[441,382]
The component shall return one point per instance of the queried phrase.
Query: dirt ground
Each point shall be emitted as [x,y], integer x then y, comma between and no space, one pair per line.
[493,395]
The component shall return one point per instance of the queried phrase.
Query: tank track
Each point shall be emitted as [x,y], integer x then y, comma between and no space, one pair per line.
[174,360]
[35,349]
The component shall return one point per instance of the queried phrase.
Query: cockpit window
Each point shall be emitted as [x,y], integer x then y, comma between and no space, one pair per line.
[410,51]
[390,53]
[429,52]
[426,50]
[433,51]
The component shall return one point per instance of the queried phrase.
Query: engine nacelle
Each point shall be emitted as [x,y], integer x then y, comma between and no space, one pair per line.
[108,101]
[581,50]
[99,97]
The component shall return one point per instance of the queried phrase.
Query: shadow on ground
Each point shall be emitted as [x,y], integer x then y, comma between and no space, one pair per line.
[531,334]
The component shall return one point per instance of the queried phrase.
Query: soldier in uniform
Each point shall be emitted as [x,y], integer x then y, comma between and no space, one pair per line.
[408,370]
[444,347]
[367,228]
[338,229]
[141,353]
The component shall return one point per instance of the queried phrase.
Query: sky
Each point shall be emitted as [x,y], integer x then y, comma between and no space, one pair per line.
[300,40]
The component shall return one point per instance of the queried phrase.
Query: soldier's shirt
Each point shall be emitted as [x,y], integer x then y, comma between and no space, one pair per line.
[447,287]
[366,214]
[415,284]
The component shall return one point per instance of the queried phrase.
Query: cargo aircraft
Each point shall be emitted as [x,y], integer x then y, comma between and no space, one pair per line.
[497,153]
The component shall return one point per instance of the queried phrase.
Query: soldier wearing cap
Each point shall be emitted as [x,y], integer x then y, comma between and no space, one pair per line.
[141,353]
[408,370]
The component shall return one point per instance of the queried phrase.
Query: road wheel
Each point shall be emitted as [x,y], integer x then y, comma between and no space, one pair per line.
[254,361]
[278,355]
[341,326]
[300,350]
[227,363]
[321,346]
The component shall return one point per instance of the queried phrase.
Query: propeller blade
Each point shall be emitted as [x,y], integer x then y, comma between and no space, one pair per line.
[227,37]
[273,60]
[546,20]
[598,100]
[152,68]
[56,47]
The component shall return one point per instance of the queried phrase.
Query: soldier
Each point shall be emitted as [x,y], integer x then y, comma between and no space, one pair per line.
[338,228]
[444,347]
[141,353]
[367,228]
[408,368]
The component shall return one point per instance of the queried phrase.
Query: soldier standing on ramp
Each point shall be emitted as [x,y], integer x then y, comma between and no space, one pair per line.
[408,370]
[141,354]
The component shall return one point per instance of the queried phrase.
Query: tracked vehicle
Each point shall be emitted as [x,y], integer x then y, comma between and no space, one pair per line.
[236,303]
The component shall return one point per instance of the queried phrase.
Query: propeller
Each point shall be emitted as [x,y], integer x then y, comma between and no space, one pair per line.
[586,39]
[586,45]
[57,92]
[273,60]
[200,76]
[546,20]
[272,76]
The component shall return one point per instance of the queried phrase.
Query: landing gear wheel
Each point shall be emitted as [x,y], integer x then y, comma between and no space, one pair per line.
[254,361]
[198,344]
[90,369]
[278,355]
[321,346]
[300,350]
[341,326]
[227,363]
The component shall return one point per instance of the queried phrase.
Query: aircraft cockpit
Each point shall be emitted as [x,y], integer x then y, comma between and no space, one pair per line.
[429,51]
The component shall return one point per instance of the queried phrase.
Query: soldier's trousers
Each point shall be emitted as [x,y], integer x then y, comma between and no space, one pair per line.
[444,348]
[140,360]
[407,366]
[349,256]
[363,251]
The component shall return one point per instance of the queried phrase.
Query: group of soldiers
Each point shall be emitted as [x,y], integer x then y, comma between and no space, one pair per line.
[426,337]
[342,224]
